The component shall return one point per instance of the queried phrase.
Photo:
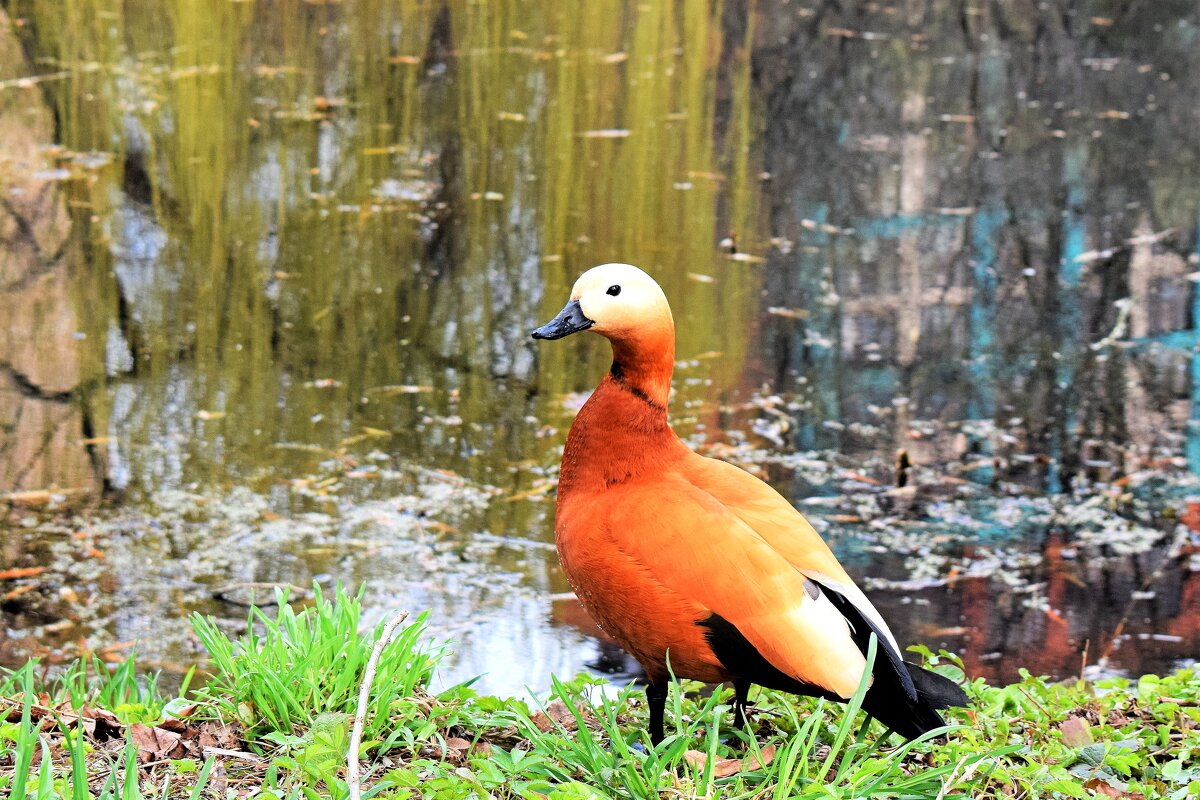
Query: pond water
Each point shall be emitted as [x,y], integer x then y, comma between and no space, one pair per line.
[268,276]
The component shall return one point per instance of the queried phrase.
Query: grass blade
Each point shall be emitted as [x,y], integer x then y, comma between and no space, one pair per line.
[130,786]
[202,779]
[852,708]
[25,734]
[45,783]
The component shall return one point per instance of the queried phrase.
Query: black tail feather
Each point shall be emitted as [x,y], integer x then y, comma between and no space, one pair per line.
[888,700]
[912,718]
[936,690]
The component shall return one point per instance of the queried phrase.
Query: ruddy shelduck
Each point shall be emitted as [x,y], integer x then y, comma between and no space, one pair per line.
[693,565]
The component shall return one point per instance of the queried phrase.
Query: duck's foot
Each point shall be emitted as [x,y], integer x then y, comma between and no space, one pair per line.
[741,697]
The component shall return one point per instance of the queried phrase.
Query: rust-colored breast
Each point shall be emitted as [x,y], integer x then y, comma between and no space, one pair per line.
[617,447]
[651,621]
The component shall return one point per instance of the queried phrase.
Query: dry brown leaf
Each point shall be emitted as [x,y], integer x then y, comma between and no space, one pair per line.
[1075,732]
[724,767]
[455,750]
[100,724]
[1103,789]
[155,743]
[182,713]
[558,709]
[180,727]
[558,712]
[218,734]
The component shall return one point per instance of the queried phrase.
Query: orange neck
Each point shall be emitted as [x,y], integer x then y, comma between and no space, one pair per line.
[622,430]
[643,364]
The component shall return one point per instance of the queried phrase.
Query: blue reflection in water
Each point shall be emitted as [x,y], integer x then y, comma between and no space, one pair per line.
[1193,427]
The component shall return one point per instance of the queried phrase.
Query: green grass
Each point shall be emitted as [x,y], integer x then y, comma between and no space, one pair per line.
[281,698]
[306,663]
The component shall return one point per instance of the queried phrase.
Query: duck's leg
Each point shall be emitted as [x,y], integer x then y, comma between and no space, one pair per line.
[741,696]
[656,698]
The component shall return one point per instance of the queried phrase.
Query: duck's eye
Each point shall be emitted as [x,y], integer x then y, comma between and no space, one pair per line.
[614,290]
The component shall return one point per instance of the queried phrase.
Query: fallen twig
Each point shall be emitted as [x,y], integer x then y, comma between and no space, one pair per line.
[360,713]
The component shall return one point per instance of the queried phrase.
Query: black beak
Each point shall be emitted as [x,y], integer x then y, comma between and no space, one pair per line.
[569,320]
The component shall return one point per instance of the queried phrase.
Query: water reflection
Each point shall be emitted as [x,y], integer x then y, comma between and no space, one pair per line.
[985,190]
[272,277]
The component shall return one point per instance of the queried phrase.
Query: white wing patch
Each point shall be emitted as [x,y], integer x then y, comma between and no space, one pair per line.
[831,660]
[853,596]
[860,601]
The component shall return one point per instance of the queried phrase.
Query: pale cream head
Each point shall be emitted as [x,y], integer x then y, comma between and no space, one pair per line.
[624,305]
[621,300]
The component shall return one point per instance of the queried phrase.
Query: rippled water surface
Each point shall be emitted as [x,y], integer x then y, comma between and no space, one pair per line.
[268,271]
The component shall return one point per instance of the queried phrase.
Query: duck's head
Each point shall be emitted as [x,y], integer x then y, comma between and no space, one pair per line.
[617,301]
[625,306]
